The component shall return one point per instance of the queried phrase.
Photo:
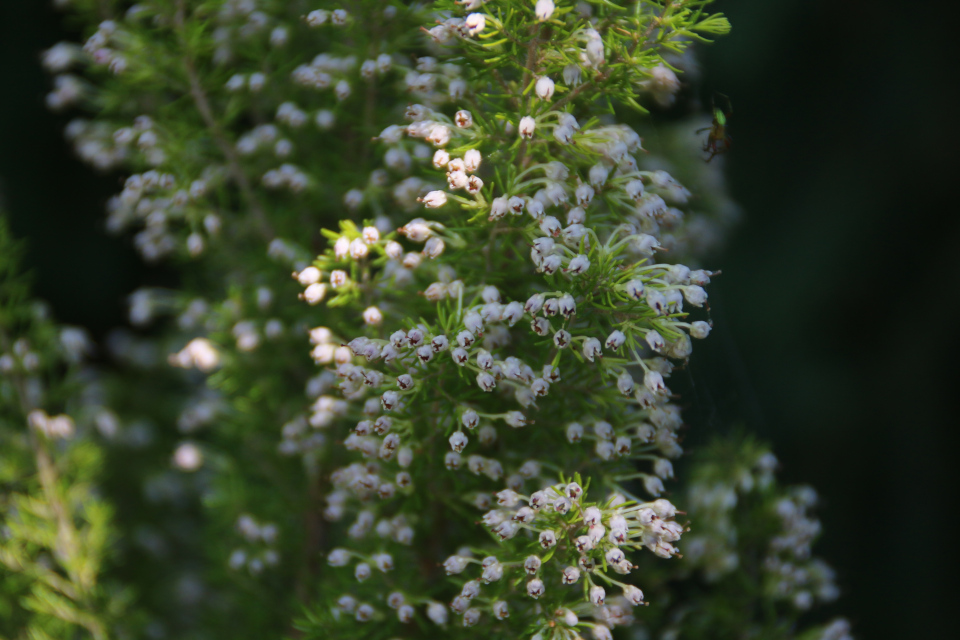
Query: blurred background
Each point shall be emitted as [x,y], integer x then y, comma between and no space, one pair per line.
[835,317]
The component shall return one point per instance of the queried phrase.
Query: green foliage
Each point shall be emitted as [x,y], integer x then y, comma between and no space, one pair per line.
[55,532]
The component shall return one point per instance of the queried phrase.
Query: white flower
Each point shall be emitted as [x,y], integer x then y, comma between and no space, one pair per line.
[625,383]
[591,349]
[544,9]
[663,468]
[434,199]
[654,340]
[471,160]
[584,194]
[473,323]
[615,556]
[314,293]
[463,119]
[512,312]
[534,304]
[566,305]
[594,51]
[535,209]
[654,382]
[597,595]
[317,18]
[635,289]
[699,329]
[486,381]
[578,265]
[470,419]
[498,208]
[475,23]
[571,75]
[187,457]
[458,441]
[389,400]
[657,301]
[550,226]
[338,558]
[535,588]
[695,295]
[471,617]
[602,632]
[433,248]
[570,575]
[527,126]
[474,185]
[506,529]
[439,135]
[653,485]
[425,353]
[308,276]
[437,613]
[358,249]
[371,235]
[338,278]
[341,248]
[383,561]
[394,250]
[460,356]
[563,134]
[441,158]
[547,539]
[199,353]
[544,88]
[615,340]
[372,316]
[598,174]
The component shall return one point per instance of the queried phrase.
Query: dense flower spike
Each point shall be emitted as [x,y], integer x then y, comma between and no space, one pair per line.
[600,312]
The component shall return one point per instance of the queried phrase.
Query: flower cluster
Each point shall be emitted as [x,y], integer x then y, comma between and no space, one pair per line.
[561,223]
[509,274]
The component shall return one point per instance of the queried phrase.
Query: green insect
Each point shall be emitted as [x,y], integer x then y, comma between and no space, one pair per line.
[717,140]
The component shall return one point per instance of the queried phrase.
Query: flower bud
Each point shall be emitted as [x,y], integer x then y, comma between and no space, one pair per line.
[308,276]
[597,595]
[475,23]
[372,316]
[441,158]
[544,9]
[434,199]
[699,329]
[463,119]
[314,293]
[544,88]
[471,160]
[625,384]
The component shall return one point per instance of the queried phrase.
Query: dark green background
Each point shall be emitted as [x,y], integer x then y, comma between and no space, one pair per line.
[835,316]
